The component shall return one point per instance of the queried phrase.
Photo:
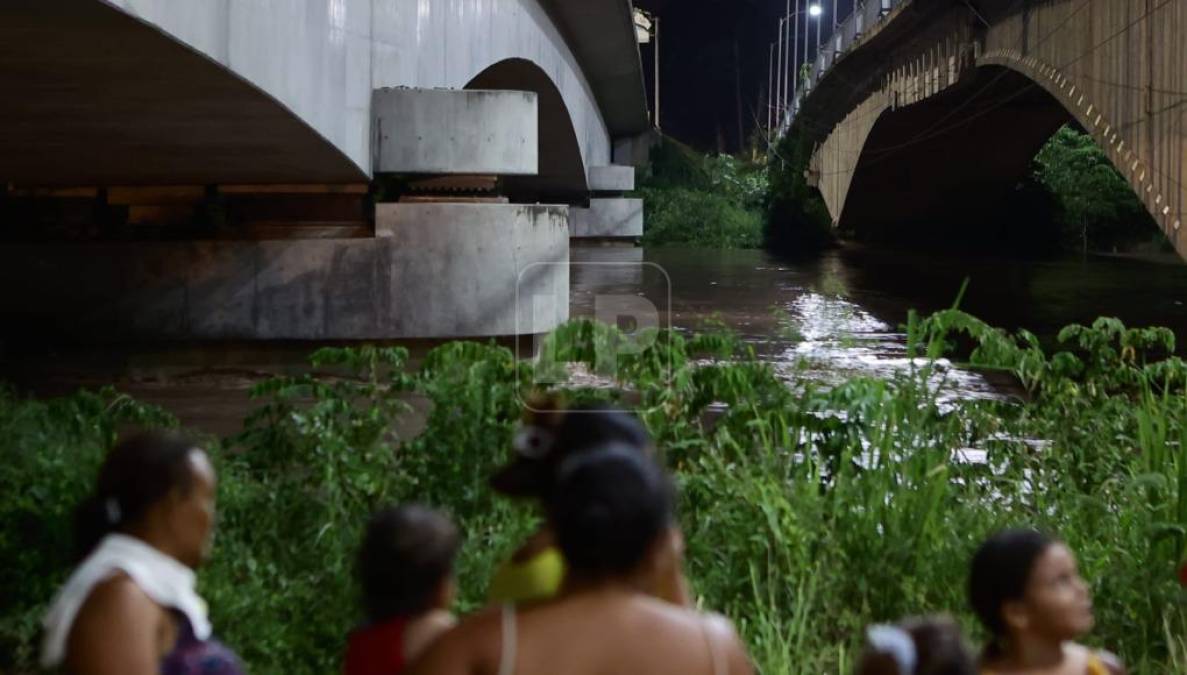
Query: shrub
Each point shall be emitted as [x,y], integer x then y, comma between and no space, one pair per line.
[809,512]
[713,201]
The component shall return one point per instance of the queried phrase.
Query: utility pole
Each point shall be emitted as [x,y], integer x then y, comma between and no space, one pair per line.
[794,75]
[807,7]
[779,80]
[786,65]
[818,22]
[657,124]
[738,94]
[770,86]
[833,38]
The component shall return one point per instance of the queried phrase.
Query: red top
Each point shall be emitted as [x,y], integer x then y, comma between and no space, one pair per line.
[376,650]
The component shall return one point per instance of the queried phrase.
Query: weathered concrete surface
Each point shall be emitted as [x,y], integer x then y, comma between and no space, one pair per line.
[615,218]
[944,107]
[267,91]
[442,131]
[444,270]
[614,178]
[480,269]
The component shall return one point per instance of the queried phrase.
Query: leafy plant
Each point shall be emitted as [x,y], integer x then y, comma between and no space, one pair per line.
[809,511]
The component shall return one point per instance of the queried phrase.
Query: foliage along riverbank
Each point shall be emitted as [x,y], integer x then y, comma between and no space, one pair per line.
[808,512]
[713,201]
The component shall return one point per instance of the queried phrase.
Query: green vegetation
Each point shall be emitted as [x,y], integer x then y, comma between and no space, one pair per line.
[696,200]
[797,221]
[1097,209]
[809,511]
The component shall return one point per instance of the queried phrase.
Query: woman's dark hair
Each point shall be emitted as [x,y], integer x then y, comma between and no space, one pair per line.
[1000,572]
[940,646]
[940,649]
[139,471]
[407,552]
[609,506]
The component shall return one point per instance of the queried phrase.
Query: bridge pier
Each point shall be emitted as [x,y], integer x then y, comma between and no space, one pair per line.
[401,171]
[431,271]
[610,215]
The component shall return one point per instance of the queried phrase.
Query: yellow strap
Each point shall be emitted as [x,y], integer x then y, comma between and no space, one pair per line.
[1095,667]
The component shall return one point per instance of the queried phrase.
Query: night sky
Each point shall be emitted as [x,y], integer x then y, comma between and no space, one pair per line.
[699,80]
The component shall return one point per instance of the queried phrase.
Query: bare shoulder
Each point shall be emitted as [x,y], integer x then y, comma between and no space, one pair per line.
[463,647]
[116,612]
[117,598]
[422,633]
[721,630]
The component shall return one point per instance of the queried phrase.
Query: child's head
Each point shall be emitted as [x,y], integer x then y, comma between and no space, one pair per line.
[922,646]
[405,564]
[1024,583]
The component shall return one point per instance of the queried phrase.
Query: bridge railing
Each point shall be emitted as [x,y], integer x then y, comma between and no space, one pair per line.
[866,15]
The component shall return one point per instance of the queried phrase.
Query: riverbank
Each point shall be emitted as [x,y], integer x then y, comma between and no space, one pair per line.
[808,511]
[841,312]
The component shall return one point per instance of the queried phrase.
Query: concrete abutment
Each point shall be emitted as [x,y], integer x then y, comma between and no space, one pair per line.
[433,271]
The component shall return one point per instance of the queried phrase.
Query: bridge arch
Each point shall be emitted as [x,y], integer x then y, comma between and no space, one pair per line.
[1084,106]
[962,102]
[563,175]
[961,153]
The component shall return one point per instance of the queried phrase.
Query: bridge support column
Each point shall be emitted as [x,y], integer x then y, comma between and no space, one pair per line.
[432,271]
[610,215]
[473,270]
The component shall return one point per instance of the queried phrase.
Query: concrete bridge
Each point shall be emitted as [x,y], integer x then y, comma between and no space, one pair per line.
[932,110]
[375,168]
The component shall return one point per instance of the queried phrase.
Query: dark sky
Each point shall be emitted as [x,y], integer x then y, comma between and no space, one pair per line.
[699,80]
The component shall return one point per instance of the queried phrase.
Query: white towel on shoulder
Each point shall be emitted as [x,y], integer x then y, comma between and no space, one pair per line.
[163,579]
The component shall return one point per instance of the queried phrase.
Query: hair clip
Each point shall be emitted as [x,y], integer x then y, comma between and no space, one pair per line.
[112,507]
[896,643]
[532,442]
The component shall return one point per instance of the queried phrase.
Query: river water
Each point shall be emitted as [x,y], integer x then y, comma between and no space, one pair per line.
[828,319]
[841,315]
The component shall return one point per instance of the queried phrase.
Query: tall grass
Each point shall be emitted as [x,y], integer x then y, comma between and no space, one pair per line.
[809,512]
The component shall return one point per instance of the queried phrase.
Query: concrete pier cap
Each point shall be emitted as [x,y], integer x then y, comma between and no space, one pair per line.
[456,131]
[614,218]
[614,178]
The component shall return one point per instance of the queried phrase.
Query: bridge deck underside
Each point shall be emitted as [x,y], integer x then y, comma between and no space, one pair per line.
[92,96]
[928,171]
[971,92]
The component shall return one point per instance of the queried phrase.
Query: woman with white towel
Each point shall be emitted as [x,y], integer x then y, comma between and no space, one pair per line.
[131,607]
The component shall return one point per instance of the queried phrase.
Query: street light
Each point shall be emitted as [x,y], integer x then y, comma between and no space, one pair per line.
[647,31]
[783,85]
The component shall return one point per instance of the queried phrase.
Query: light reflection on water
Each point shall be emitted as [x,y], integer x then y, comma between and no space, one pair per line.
[839,316]
[797,317]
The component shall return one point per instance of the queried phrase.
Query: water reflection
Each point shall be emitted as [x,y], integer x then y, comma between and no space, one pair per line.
[840,316]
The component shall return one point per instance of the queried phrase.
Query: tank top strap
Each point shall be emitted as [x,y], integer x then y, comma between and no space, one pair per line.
[508,655]
[716,654]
